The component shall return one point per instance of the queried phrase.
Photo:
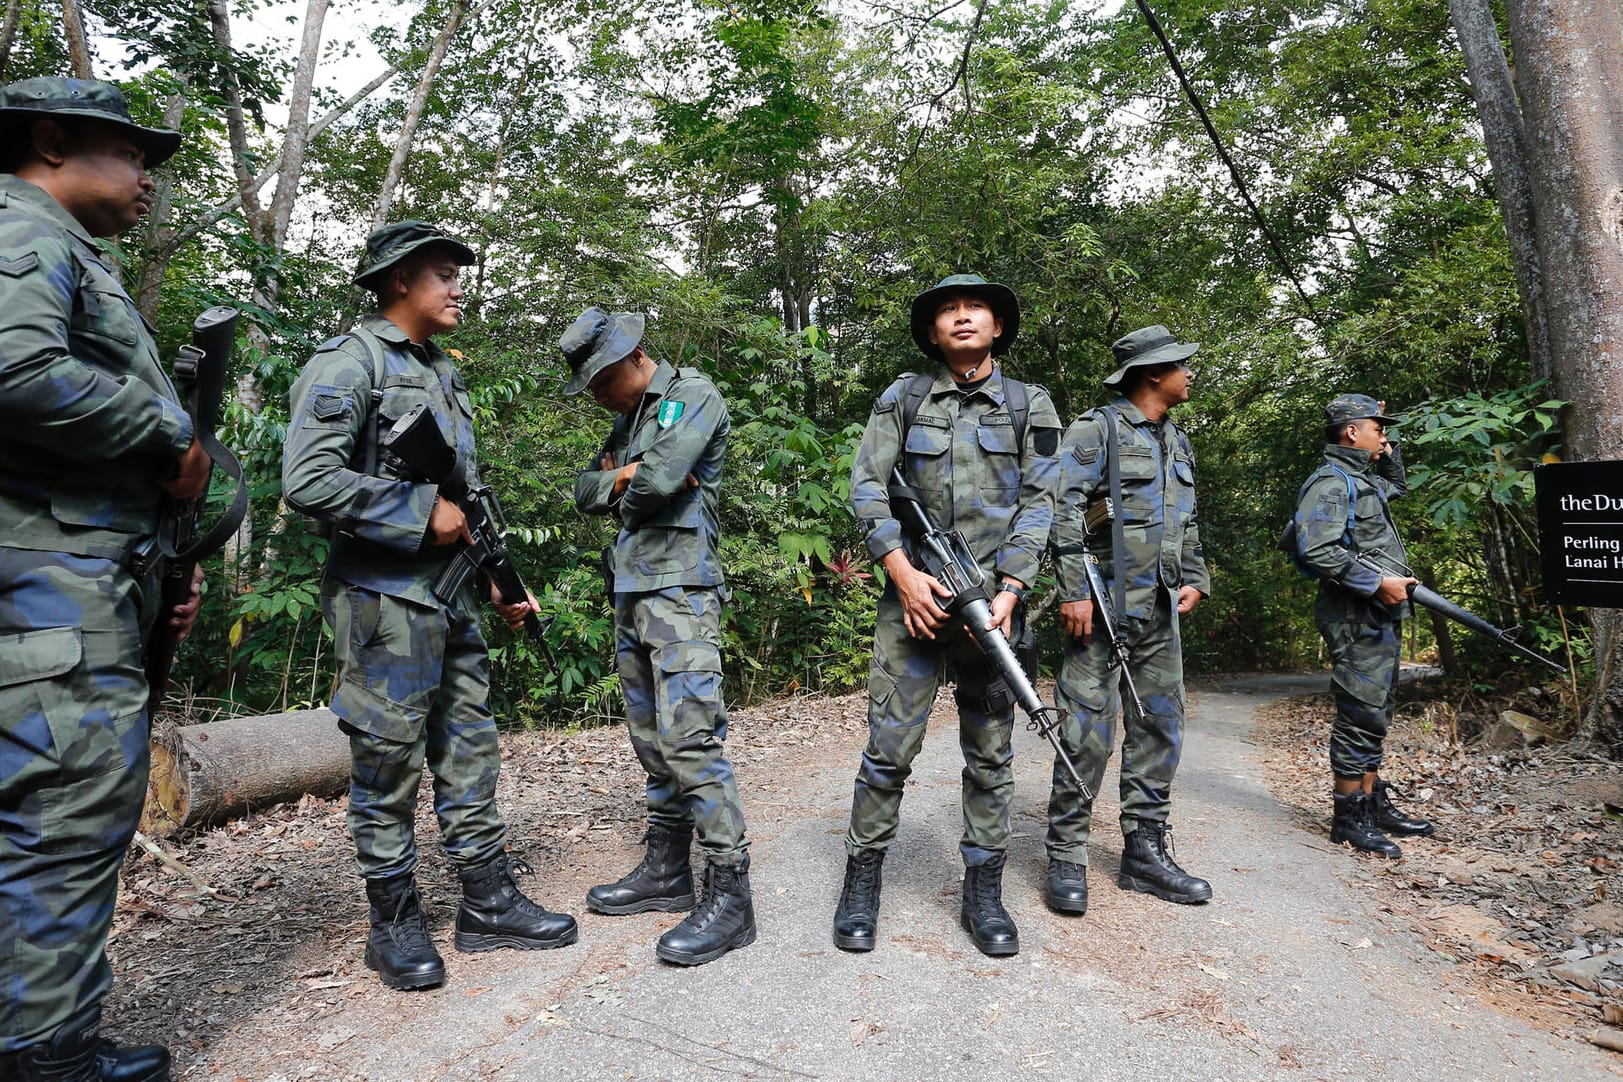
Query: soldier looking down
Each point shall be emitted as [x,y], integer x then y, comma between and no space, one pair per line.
[659,476]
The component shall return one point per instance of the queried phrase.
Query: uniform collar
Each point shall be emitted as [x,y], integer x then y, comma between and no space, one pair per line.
[992,387]
[388,331]
[15,190]
[660,382]
[1131,413]
[1356,457]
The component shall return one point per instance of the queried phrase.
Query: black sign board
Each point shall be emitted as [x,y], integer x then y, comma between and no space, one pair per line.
[1580,526]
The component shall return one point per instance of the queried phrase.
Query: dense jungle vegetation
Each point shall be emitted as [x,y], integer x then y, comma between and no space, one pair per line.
[773,180]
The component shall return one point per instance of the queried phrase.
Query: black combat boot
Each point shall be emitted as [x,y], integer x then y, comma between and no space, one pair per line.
[1390,819]
[1067,890]
[1147,866]
[982,913]
[398,946]
[69,1056]
[724,920]
[132,1062]
[496,914]
[662,883]
[856,921]
[1354,823]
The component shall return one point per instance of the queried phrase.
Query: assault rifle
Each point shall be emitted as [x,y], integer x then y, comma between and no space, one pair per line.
[946,557]
[1104,606]
[1384,566]
[200,370]
[415,441]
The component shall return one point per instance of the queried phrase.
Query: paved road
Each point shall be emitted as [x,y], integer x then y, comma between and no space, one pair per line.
[1287,973]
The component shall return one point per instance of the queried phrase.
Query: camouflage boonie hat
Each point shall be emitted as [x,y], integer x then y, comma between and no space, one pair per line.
[596,340]
[31,99]
[1148,345]
[1002,299]
[1355,407]
[389,244]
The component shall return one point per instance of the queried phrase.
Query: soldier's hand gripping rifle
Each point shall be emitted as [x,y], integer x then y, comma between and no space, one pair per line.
[946,557]
[1379,563]
[200,370]
[415,441]
[1104,610]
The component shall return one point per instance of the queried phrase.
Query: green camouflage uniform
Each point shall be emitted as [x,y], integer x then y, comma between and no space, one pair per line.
[668,597]
[974,475]
[414,683]
[1162,554]
[1363,635]
[90,423]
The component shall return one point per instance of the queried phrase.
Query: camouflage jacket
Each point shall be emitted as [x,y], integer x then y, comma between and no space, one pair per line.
[1346,586]
[669,533]
[1160,531]
[381,518]
[90,419]
[962,455]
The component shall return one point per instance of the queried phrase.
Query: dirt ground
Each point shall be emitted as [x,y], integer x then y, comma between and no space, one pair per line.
[267,936]
[1521,883]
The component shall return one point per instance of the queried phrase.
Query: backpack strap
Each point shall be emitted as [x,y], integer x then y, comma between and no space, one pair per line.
[1017,397]
[913,396]
[374,350]
[1118,529]
[1352,504]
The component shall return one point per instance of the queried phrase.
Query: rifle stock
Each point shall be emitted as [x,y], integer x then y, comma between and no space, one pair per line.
[1104,609]
[946,557]
[200,371]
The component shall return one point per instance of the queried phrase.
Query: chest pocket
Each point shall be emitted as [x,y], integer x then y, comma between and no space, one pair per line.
[1000,452]
[1140,484]
[101,308]
[400,394]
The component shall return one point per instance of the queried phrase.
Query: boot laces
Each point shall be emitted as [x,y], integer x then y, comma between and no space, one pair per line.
[408,929]
[715,892]
[523,903]
[987,889]
[864,875]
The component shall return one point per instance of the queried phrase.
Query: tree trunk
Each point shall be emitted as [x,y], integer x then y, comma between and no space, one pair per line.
[158,252]
[8,34]
[414,115]
[1570,81]
[1440,630]
[236,123]
[297,137]
[1506,141]
[206,774]
[73,29]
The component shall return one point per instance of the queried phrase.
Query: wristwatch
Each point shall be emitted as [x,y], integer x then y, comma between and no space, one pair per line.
[1007,587]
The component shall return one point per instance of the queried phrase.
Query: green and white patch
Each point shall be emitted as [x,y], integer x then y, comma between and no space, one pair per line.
[670,413]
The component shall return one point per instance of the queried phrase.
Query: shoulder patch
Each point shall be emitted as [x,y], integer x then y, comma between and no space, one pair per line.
[1045,441]
[884,405]
[20,266]
[670,412]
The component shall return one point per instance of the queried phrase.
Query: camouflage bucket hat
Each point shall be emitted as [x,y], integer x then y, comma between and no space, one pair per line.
[391,243]
[1344,408]
[1002,299]
[31,99]
[596,340]
[1149,345]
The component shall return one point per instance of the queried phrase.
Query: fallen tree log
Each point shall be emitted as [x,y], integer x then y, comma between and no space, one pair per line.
[206,774]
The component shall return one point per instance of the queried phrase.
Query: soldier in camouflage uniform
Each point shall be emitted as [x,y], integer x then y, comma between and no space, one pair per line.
[659,475]
[979,448]
[414,682]
[1154,568]
[93,439]
[1346,539]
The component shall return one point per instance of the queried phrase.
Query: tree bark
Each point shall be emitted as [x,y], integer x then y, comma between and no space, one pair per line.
[8,34]
[1506,141]
[73,29]
[158,252]
[206,774]
[236,123]
[414,114]
[1570,81]
[297,137]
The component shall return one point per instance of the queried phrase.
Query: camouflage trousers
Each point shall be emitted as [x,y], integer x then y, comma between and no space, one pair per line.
[73,775]
[667,645]
[414,687]
[1091,693]
[902,683]
[1364,681]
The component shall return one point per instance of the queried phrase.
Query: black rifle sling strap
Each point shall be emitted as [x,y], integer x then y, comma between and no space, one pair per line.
[1118,532]
[374,350]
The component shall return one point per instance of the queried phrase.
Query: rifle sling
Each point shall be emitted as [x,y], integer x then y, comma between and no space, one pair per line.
[222,531]
[1118,532]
